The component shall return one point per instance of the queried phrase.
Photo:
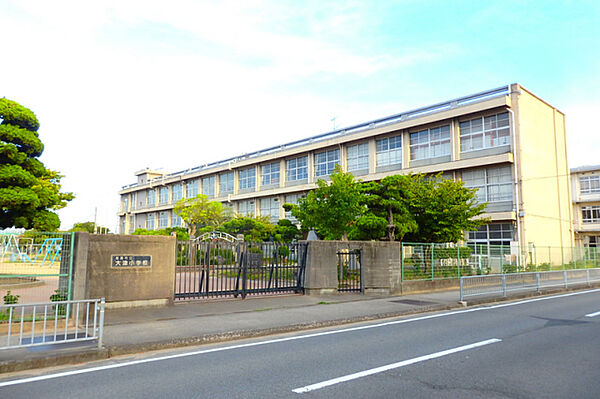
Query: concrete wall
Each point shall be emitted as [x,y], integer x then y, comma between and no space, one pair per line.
[544,176]
[380,262]
[94,275]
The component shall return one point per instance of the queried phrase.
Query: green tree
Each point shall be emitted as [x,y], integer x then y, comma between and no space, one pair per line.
[90,227]
[443,210]
[332,208]
[181,232]
[388,202]
[29,192]
[286,231]
[253,228]
[199,212]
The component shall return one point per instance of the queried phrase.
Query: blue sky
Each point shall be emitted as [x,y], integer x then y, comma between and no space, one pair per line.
[123,85]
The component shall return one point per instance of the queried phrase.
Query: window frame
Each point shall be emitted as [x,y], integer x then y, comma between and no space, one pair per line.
[209,188]
[247,180]
[488,184]
[430,142]
[593,214]
[383,156]
[485,133]
[329,162]
[296,172]
[226,186]
[359,160]
[270,174]
[591,181]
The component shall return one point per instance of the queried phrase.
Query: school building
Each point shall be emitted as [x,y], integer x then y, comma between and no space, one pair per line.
[506,142]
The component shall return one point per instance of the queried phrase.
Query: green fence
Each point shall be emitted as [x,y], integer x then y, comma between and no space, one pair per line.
[422,261]
[35,266]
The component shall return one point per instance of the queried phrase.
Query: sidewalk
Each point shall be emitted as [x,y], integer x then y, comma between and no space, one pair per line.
[218,320]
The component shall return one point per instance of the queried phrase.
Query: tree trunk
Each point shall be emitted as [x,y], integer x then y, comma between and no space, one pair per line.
[391,227]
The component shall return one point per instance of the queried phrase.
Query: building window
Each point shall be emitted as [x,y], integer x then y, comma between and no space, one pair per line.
[270,207]
[594,242]
[491,239]
[589,184]
[590,214]
[177,192]
[125,204]
[485,132]
[150,221]
[208,186]
[191,189]
[151,201]
[297,169]
[163,195]
[133,200]
[123,225]
[163,219]
[430,143]
[270,174]
[358,157]
[131,224]
[246,208]
[247,178]
[292,199]
[492,184]
[389,151]
[325,162]
[176,220]
[226,183]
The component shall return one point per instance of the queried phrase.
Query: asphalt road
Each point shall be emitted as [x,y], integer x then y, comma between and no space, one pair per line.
[545,347]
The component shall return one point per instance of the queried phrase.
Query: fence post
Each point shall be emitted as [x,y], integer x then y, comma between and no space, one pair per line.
[461,288]
[587,276]
[537,281]
[432,263]
[101,323]
[565,278]
[504,285]
[402,262]
[459,260]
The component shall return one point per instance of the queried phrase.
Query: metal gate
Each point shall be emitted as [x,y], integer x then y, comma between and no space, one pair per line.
[35,266]
[349,271]
[220,268]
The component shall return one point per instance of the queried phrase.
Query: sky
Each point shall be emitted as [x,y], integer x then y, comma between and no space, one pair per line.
[122,85]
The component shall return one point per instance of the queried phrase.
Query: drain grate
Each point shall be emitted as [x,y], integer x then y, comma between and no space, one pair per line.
[414,302]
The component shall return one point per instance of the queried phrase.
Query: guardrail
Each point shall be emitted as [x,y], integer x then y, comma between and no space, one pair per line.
[35,324]
[503,284]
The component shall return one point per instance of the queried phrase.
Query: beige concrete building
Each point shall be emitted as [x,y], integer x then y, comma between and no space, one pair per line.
[506,142]
[585,189]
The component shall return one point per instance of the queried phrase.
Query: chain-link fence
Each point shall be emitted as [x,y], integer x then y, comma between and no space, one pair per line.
[35,266]
[431,261]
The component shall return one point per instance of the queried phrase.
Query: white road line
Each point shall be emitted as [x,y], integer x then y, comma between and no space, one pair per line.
[593,314]
[278,340]
[381,369]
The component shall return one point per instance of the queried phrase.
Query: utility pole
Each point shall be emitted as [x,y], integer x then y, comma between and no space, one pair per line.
[95,216]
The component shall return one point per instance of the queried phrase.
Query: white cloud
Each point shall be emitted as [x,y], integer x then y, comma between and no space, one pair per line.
[108,107]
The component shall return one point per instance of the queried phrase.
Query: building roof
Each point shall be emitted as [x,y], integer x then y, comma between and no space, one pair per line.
[585,168]
[373,124]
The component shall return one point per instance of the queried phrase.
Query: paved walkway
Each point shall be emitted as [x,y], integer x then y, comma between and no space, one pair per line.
[216,320]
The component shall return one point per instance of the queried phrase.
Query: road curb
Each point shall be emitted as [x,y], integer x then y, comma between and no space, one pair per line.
[57,359]
[117,350]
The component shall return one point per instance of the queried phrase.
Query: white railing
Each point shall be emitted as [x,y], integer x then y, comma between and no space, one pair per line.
[503,284]
[36,324]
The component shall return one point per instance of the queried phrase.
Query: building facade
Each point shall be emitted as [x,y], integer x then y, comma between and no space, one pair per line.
[506,142]
[585,188]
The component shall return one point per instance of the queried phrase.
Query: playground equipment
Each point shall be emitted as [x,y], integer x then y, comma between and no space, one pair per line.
[50,247]
[10,247]
[14,249]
